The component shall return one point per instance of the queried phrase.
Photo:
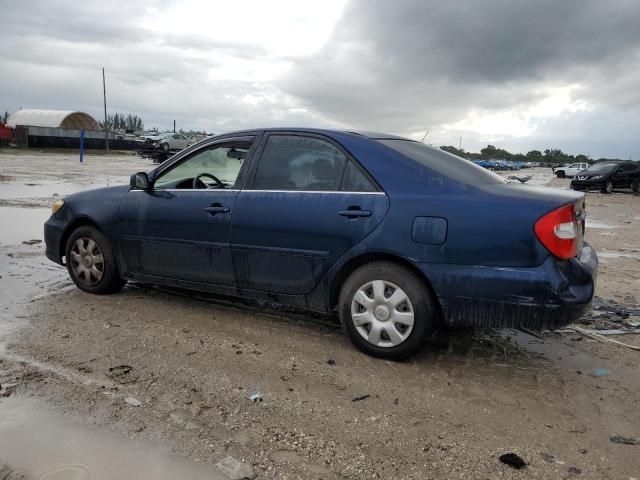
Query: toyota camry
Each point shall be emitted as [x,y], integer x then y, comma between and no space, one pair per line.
[396,237]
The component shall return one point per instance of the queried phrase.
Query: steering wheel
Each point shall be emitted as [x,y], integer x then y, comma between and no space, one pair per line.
[199,184]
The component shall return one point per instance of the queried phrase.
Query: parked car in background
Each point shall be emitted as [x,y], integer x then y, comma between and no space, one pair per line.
[608,176]
[385,231]
[168,141]
[570,170]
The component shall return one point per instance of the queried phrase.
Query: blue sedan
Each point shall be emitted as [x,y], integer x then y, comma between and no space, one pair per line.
[399,238]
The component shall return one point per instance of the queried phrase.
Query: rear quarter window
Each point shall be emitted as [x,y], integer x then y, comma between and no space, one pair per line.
[446,164]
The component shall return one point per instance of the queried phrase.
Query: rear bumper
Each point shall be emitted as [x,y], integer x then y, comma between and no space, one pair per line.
[548,296]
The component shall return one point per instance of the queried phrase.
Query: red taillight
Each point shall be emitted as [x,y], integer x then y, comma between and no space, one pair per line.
[558,231]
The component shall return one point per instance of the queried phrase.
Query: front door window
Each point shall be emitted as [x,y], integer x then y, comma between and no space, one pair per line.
[216,167]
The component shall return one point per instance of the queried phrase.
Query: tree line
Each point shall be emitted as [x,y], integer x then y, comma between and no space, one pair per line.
[550,155]
[122,121]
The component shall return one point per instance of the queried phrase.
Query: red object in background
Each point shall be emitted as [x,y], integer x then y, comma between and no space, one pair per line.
[6,133]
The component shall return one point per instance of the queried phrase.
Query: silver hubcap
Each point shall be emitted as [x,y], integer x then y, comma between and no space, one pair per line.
[87,261]
[609,187]
[382,313]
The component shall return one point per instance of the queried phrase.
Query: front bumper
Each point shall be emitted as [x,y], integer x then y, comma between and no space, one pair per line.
[587,184]
[551,295]
[53,232]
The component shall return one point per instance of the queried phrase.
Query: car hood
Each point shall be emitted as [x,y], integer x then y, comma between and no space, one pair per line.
[97,194]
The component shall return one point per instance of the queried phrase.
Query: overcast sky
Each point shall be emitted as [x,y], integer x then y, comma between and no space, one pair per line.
[518,74]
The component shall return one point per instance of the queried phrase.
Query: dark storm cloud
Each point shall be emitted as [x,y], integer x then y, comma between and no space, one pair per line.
[404,67]
[412,64]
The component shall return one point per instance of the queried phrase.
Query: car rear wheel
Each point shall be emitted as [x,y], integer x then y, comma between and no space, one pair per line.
[91,262]
[608,187]
[560,174]
[635,186]
[387,310]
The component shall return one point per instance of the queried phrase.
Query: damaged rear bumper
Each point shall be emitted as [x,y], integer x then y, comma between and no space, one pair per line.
[551,295]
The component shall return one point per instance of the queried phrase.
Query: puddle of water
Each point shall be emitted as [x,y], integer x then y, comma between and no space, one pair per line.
[21,224]
[48,446]
[604,226]
[556,351]
[540,179]
[606,254]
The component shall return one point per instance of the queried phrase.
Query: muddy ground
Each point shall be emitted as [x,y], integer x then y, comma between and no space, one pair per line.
[74,366]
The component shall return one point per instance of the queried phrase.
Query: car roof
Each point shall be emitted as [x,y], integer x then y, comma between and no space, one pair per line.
[320,131]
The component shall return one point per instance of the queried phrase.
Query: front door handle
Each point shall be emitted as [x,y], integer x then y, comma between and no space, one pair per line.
[216,209]
[354,213]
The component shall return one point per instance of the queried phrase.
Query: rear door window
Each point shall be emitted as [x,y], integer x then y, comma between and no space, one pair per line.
[444,163]
[299,163]
[355,180]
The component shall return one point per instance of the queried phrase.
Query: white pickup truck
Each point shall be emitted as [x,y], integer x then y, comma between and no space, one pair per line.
[571,170]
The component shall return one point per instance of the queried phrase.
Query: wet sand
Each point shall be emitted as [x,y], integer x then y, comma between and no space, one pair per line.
[448,413]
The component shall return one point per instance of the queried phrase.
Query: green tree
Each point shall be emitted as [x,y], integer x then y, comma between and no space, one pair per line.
[121,121]
[459,152]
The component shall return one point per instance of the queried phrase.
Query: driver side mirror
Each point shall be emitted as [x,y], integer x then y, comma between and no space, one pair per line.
[139,181]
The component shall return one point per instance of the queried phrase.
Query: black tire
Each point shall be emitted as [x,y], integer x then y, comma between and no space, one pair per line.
[635,186]
[607,187]
[165,147]
[422,305]
[560,174]
[109,281]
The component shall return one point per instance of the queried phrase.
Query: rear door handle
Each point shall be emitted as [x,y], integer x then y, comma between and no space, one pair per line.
[355,213]
[216,209]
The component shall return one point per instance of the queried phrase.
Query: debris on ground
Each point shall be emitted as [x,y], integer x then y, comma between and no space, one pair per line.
[551,459]
[122,374]
[134,402]
[624,440]
[574,471]
[524,179]
[8,473]
[8,389]
[611,316]
[603,339]
[362,397]
[255,396]
[600,372]
[32,242]
[513,460]
[235,469]
[331,361]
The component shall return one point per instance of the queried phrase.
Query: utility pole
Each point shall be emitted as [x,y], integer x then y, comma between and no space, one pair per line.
[460,144]
[174,126]
[106,125]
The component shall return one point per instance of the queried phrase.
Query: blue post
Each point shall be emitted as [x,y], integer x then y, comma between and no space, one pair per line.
[81,145]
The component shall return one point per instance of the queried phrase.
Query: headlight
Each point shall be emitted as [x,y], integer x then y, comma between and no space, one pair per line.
[597,177]
[57,205]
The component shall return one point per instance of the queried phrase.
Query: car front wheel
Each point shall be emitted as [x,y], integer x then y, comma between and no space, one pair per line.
[91,262]
[560,174]
[387,310]
[608,187]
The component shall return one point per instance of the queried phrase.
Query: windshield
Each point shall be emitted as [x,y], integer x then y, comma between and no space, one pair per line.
[447,164]
[602,168]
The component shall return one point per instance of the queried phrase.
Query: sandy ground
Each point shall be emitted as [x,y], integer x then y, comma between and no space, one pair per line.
[70,360]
